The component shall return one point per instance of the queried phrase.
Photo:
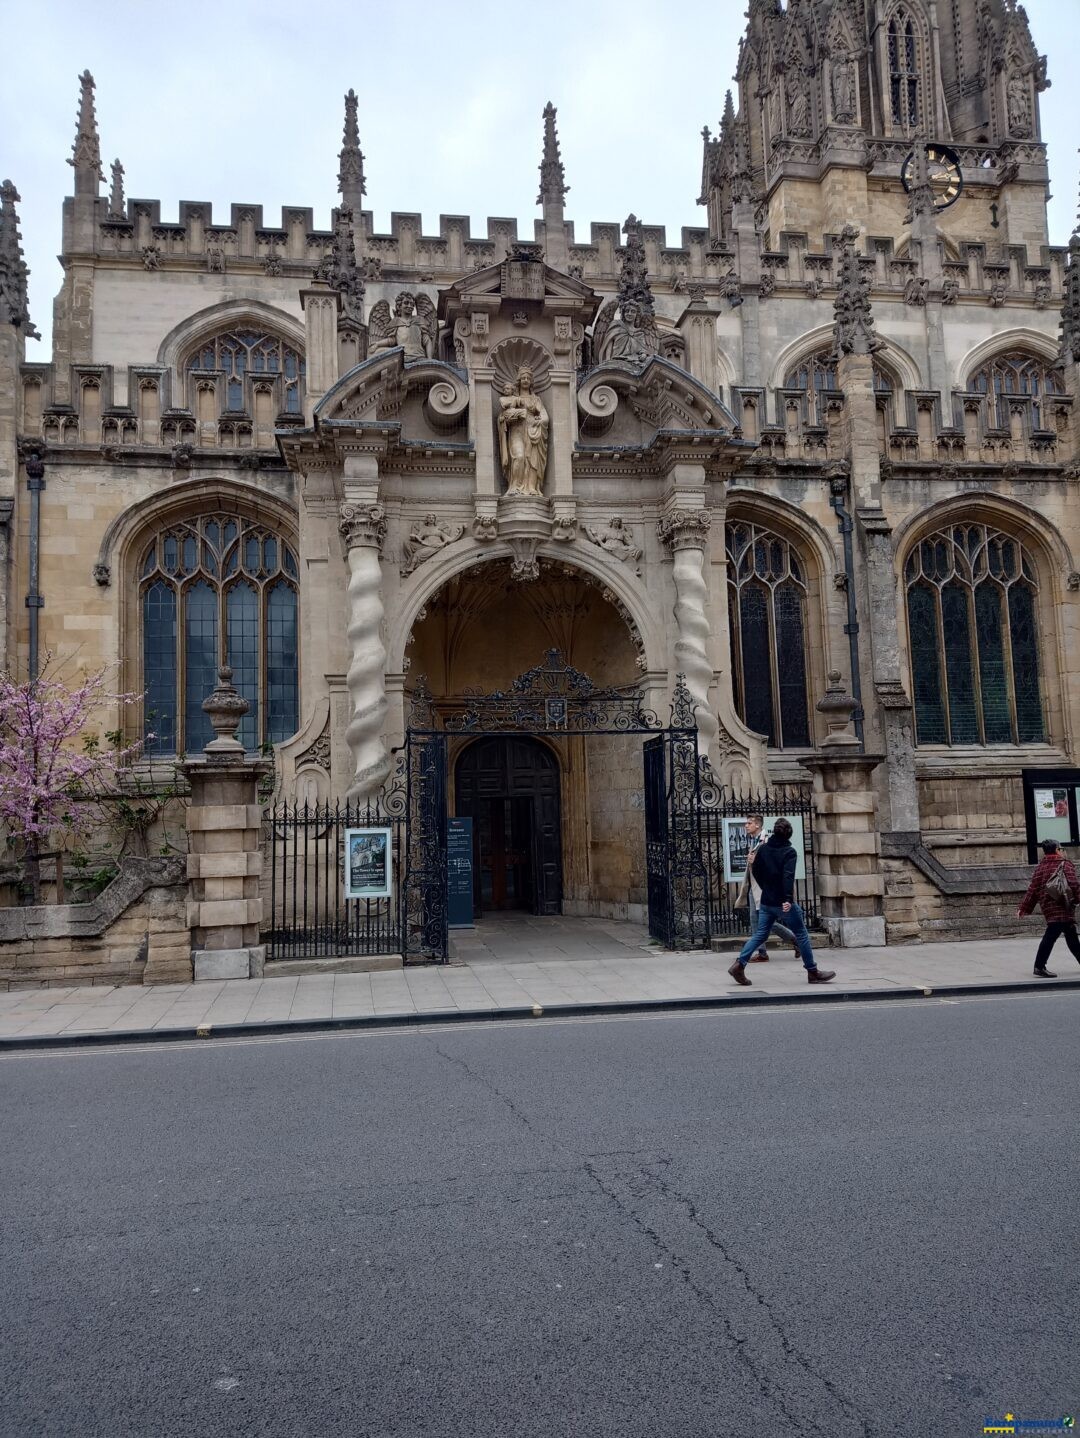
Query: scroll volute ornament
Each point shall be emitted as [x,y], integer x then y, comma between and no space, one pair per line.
[684,528]
[362,525]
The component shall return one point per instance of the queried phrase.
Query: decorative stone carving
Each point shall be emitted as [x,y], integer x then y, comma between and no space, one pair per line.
[915,290]
[625,329]
[842,87]
[1018,105]
[838,708]
[564,528]
[215,259]
[999,291]
[485,527]
[1073,580]
[853,330]
[102,575]
[151,257]
[1042,293]
[413,326]
[524,566]
[362,525]
[798,107]
[428,538]
[684,528]
[272,266]
[523,425]
[225,707]
[1070,304]
[14,301]
[339,270]
[729,288]
[116,192]
[317,754]
[182,455]
[950,291]
[617,540]
[507,359]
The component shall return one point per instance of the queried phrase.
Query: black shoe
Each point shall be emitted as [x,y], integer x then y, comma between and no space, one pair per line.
[1044,973]
[738,973]
[820,976]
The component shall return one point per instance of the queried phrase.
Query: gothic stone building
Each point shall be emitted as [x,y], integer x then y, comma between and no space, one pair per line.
[828,440]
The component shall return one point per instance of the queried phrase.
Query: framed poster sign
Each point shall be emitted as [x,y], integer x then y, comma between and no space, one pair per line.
[737,845]
[368,863]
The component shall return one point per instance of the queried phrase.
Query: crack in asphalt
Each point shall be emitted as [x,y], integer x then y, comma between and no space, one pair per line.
[484,1083]
[673,1194]
[801,1422]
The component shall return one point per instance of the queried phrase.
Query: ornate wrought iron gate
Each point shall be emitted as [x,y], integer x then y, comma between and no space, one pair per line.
[556,700]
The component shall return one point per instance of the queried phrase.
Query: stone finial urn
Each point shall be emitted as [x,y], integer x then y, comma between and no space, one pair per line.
[225,707]
[837,707]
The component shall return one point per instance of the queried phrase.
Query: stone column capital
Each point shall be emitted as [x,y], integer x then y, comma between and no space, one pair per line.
[362,525]
[684,528]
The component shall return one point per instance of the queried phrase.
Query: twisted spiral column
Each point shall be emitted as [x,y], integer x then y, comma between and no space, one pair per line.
[685,532]
[364,526]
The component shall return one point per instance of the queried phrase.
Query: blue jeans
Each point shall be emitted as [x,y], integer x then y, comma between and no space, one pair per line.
[780,930]
[769,914]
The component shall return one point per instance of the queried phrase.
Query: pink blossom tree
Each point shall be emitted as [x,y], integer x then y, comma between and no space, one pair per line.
[50,766]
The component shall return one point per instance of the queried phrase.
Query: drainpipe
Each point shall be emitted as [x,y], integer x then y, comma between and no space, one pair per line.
[838,486]
[35,483]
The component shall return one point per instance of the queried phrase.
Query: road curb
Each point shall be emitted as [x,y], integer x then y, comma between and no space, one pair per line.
[442,1017]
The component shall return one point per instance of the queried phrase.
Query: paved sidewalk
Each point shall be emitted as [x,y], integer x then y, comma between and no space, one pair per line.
[619,977]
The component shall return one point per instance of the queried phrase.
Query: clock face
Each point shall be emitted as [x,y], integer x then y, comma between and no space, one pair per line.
[943,170]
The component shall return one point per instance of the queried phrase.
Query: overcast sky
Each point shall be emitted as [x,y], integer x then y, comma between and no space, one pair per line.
[241,103]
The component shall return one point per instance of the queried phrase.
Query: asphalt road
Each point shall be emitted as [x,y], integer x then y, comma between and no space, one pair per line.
[850,1220]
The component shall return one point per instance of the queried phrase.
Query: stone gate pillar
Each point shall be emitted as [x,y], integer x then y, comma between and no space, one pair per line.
[847,850]
[224,824]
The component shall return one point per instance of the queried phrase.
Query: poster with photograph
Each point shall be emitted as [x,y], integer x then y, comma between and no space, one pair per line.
[368,863]
[737,844]
[1052,814]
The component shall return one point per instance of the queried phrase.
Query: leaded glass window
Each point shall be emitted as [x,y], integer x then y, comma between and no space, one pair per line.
[242,357]
[971,600]
[767,611]
[816,374]
[1017,373]
[903,48]
[218,590]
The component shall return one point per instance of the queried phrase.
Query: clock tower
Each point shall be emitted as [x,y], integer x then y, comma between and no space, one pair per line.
[835,98]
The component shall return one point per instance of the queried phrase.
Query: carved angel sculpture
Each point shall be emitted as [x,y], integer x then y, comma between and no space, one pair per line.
[625,332]
[412,325]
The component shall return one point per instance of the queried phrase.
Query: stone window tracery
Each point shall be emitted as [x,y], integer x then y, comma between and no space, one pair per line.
[218,589]
[972,599]
[902,43]
[816,374]
[767,608]
[244,359]
[1018,372]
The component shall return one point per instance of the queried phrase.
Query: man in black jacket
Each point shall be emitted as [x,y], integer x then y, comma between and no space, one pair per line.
[774,870]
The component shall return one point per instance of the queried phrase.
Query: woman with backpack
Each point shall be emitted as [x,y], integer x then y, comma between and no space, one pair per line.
[1054,887]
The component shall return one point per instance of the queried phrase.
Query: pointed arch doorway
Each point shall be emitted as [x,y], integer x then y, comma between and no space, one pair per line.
[509,786]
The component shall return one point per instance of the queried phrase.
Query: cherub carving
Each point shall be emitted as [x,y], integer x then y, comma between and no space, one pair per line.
[625,332]
[412,325]
[427,539]
[617,539]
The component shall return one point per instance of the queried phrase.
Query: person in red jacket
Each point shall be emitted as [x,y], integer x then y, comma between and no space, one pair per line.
[1058,913]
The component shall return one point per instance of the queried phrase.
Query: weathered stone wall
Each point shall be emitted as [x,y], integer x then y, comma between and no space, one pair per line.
[134,932]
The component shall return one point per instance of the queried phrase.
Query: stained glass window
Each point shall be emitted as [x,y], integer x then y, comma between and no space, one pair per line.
[971,601]
[1018,373]
[214,590]
[243,356]
[767,606]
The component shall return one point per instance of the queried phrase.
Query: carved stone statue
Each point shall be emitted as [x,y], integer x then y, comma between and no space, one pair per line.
[798,109]
[616,539]
[1018,105]
[843,88]
[523,424]
[413,326]
[625,332]
[427,539]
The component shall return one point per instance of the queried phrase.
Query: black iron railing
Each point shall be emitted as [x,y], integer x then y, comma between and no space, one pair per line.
[309,915]
[724,844]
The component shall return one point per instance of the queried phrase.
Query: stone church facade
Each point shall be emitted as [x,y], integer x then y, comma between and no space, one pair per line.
[827,442]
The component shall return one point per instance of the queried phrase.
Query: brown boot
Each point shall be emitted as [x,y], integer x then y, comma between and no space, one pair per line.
[820,976]
[738,973]
[761,957]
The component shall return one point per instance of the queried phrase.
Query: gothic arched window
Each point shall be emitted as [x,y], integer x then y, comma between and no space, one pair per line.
[972,594]
[816,374]
[767,613]
[218,590]
[903,48]
[243,358]
[1018,372]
